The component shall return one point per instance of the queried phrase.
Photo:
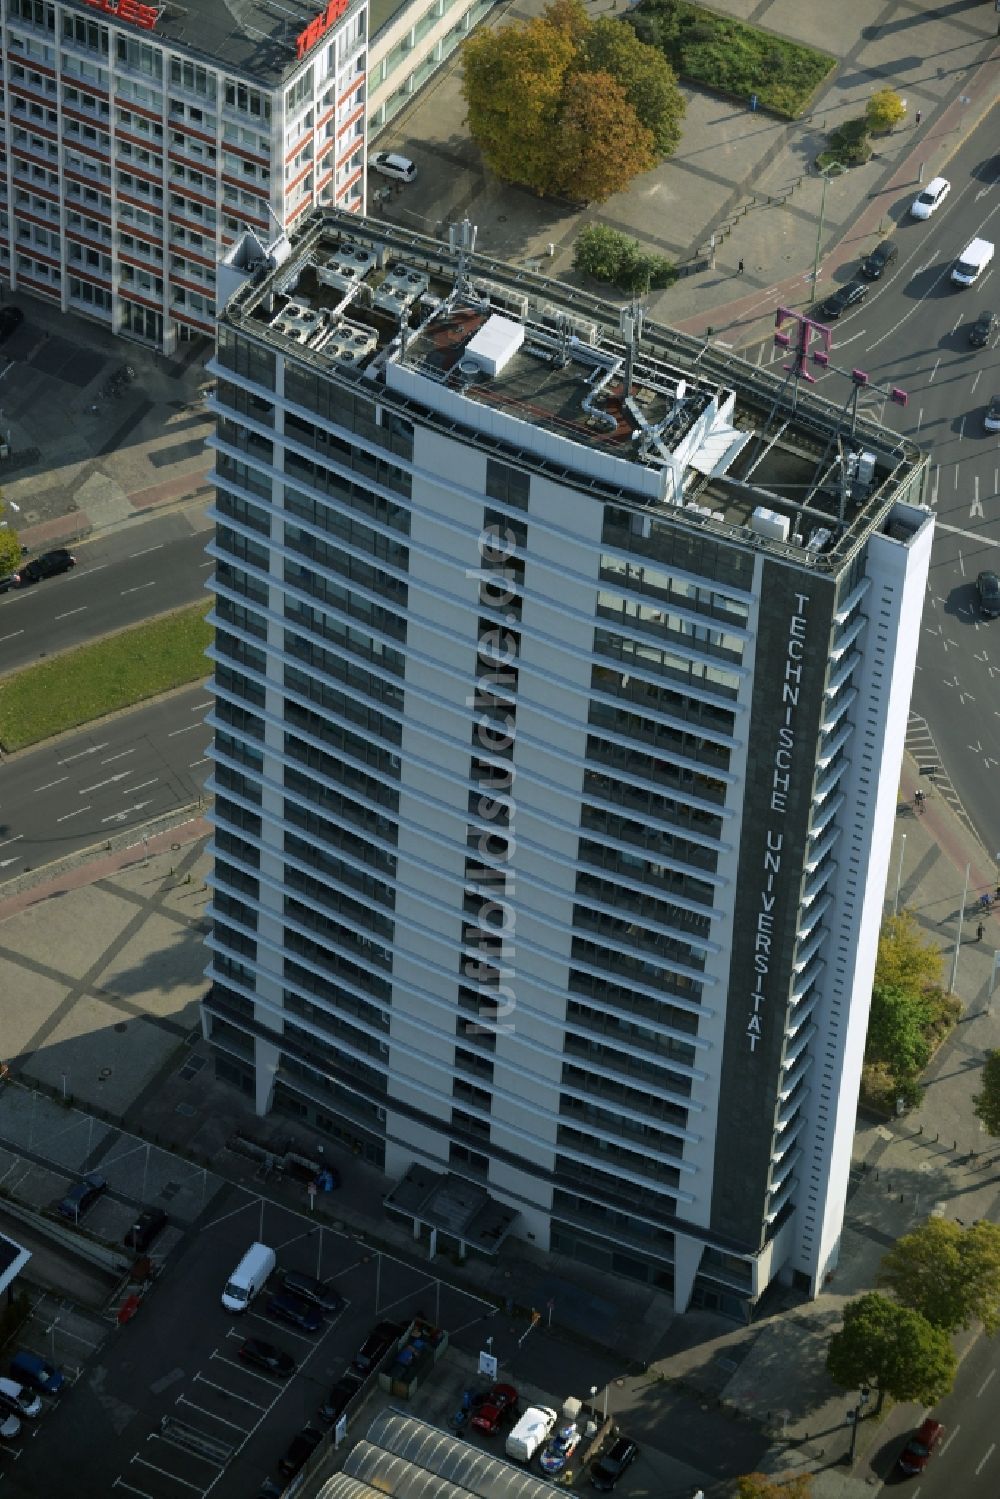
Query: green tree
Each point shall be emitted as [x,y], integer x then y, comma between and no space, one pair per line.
[906,960]
[893,1348]
[897,1032]
[548,110]
[884,110]
[646,78]
[986,1105]
[10,551]
[947,1273]
[761,1486]
[512,83]
[599,143]
[609,255]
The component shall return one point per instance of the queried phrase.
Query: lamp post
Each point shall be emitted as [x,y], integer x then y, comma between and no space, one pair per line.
[833,170]
[899,873]
[593,1396]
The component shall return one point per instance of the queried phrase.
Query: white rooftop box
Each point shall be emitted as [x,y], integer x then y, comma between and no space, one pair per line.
[769,523]
[496,343]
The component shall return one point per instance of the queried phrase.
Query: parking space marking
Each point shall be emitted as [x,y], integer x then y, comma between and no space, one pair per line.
[120,1483]
[183,1400]
[135,1458]
[199,1378]
[271,1384]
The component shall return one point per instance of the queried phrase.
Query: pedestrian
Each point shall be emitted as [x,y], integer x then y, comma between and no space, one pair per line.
[980,932]
[918,117]
[739,269]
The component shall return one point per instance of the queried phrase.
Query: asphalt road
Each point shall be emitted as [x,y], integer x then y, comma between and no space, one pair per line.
[119,580]
[913,332]
[967,1461]
[74,793]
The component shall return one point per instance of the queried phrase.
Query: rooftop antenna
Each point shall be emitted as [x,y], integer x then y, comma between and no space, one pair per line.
[630,323]
[462,237]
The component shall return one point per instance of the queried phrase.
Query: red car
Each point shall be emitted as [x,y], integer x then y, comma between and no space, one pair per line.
[916,1454]
[499,1407]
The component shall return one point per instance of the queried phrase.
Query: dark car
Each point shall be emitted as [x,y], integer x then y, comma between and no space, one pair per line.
[11,319]
[319,1292]
[375,1347]
[842,300]
[36,1372]
[917,1453]
[150,1222]
[606,1470]
[880,259]
[988,591]
[81,1197]
[266,1356]
[292,1309]
[495,1409]
[45,566]
[339,1398]
[982,330]
[300,1449]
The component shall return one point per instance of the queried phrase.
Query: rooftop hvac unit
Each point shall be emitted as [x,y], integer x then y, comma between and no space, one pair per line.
[769,523]
[505,296]
[818,539]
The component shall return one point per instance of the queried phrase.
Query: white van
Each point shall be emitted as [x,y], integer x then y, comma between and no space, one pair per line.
[534,1428]
[972,262]
[249,1278]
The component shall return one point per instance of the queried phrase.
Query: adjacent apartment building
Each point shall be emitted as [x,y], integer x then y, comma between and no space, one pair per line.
[560,680]
[138,140]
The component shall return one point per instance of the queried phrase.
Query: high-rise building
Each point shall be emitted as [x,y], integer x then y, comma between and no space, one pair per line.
[561,676]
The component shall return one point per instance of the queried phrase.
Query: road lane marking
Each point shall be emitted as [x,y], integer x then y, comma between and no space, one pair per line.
[137,589]
[70,612]
[977,504]
[934,487]
[77,813]
[174,732]
[16,839]
[934,370]
[961,562]
[976,380]
[121,816]
[11,637]
[989,1454]
[147,550]
[120,756]
[68,759]
[121,776]
[131,790]
[49,784]
[985,1383]
[920,417]
[969,535]
[954,1433]
[199,707]
[203,761]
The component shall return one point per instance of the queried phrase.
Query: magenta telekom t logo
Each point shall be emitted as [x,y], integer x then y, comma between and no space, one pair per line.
[800,339]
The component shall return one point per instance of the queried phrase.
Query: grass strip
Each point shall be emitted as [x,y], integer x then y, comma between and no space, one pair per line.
[733,57]
[84,684]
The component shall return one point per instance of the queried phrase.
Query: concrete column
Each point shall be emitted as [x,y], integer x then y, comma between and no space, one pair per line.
[266,1056]
[687,1259]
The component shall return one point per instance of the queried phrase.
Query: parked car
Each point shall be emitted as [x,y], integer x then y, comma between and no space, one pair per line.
[880,259]
[150,1222]
[339,1398]
[917,1453]
[982,330]
[391,164]
[319,1292]
[930,200]
[988,592]
[36,1372]
[48,565]
[17,1398]
[843,299]
[558,1451]
[606,1470]
[9,1427]
[82,1196]
[267,1356]
[300,1449]
[991,420]
[292,1309]
[375,1347]
[11,319]
[497,1408]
